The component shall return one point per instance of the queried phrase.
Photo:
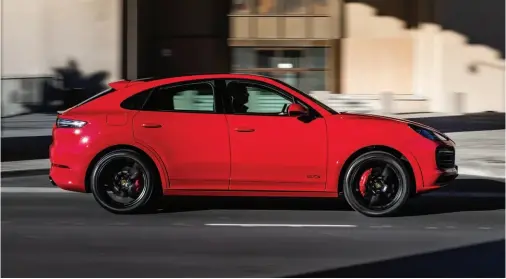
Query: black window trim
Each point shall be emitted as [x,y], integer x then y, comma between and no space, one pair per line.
[220,98]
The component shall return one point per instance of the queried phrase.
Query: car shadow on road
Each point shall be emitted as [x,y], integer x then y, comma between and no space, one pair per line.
[474,194]
[484,260]
[179,204]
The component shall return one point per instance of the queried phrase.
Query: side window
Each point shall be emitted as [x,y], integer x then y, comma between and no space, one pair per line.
[256,99]
[188,97]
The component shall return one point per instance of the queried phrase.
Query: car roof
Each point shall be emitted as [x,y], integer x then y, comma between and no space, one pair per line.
[207,76]
[126,83]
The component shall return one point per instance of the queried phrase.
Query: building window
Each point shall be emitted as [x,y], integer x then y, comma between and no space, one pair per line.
[304,68]
[318,7]
[241,7]
[280,7]
[292,7]
[266,7]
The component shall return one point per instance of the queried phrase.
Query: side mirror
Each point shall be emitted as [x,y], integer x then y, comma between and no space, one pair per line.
[296,110]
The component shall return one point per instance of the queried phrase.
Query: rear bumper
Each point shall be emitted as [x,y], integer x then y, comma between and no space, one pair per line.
[66,178]
[67,170]
[52,181]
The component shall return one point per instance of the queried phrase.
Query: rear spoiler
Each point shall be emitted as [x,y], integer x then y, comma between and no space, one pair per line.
[120,84]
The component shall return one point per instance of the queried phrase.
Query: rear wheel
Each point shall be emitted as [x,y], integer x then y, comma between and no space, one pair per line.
[124,182]
[377,184]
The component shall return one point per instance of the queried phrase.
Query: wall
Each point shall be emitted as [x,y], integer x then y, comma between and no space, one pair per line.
[39,35]
[470,40]
[427,49]
[377,51]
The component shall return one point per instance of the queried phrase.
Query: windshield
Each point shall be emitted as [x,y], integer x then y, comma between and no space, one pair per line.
[324,106]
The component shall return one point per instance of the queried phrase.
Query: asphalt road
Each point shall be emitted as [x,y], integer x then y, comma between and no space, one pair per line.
[458,232]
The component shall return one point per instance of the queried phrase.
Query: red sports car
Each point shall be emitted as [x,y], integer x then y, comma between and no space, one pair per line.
[240,135]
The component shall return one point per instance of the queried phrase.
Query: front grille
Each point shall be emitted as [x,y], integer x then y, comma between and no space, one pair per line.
[445,157]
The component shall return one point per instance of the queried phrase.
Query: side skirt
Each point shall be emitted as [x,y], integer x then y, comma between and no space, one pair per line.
[177,192]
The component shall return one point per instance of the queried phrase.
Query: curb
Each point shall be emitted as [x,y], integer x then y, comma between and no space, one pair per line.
[30,172]
[480,173]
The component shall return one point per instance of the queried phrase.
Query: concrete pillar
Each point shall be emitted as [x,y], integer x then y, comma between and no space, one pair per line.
[458,101]
[131,41]
[387,103]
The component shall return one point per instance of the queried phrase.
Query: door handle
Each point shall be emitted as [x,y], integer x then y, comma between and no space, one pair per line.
[151,125]
[244,130]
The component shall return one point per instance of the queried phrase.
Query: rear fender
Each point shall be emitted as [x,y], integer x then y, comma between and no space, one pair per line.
[162,170]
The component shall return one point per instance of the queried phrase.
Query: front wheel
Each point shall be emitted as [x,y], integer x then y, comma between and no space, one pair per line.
[377,184]
[124,182]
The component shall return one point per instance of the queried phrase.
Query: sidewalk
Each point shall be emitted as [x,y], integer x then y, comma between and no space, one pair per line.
[479,153]
[25,166]
[29,125]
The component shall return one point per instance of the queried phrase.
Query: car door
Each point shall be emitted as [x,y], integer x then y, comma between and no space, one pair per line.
[181,123]
[270,150]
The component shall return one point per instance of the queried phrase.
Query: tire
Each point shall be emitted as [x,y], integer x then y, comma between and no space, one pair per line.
[354,172]
[151,183]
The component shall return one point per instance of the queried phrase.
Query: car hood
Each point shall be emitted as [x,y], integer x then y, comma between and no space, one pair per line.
[369,117]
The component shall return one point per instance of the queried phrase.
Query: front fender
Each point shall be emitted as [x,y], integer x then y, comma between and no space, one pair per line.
[348,139]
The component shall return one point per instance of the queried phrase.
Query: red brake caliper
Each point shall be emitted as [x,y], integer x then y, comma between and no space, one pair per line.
[363,181]
[138,185]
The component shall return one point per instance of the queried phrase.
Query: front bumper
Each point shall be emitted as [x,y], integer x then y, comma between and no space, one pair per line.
[447,175]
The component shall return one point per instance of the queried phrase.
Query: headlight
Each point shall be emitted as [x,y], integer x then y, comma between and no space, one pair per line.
[69,123]
[428,134]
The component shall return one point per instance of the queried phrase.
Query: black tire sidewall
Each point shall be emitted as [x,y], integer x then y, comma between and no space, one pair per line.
[404,187]
[150,183]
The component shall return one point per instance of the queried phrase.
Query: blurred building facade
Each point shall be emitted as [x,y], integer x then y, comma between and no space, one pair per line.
[43,39]
[423,52]
[433,55]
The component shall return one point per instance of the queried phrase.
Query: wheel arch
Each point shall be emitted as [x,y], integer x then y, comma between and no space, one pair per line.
[409,162]
[157,166]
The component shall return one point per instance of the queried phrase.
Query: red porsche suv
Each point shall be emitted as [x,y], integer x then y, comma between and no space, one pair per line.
[240,135]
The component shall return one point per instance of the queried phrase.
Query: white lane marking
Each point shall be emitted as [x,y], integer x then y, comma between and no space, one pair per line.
[466,194]
[431,228]
[284,225]
[33,190]
[484,228]
[119,224]
[380,227]
[450,227]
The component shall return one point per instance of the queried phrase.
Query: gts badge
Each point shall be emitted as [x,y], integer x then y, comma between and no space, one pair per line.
[313,176]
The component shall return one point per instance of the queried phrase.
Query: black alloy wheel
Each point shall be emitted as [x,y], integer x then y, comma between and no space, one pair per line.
[377,184]
[125,182]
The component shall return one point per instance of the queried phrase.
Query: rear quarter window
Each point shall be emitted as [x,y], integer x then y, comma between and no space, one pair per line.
[136,101]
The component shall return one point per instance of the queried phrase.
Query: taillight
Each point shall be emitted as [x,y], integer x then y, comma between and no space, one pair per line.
[69,123]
